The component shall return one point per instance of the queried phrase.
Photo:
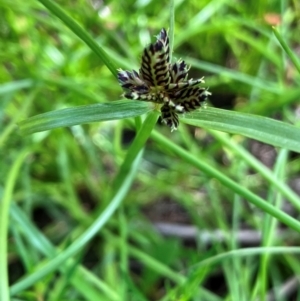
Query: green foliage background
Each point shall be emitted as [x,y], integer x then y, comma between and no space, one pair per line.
[88,179]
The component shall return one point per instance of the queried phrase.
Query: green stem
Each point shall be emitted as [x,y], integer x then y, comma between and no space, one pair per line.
[247,252]
[135,147]
[41,243]
[258,166]
[81,241]
[171,31]
[4,212]
[242,191]
[287,49]
[80,32]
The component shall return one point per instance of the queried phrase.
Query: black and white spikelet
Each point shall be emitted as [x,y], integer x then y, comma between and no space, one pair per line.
[164,83]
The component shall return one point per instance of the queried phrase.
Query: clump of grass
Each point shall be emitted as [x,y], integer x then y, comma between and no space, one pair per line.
[85,171]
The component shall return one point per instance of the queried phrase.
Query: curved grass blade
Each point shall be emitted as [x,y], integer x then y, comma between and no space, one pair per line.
[234,75]
[265,172]
[200,20]
[287,49]
[4,222]
[14,86]
[41,243]
[260,128]
[206,168]
[247,252]
[196,271]
[84,114]
[65,256]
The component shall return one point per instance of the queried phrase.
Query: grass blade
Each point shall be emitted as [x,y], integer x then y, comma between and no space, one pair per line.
[287,49]
[4,212]
[84,114]
[265,172]
[81,241]
[14,86]
[41,243]
[260,128]
[227,182]
[234,75]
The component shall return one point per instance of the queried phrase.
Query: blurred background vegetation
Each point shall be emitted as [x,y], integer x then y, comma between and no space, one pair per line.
[163,242]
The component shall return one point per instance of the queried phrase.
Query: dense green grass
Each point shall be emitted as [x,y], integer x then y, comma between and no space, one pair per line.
[89,180]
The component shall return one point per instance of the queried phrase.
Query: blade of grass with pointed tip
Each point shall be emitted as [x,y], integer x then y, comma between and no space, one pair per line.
[84,114]
[260,128]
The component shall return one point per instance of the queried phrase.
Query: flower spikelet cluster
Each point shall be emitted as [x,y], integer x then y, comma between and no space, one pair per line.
[160,81]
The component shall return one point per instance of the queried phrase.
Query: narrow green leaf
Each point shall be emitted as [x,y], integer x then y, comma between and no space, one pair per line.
[171,30]
[41,243]
[84,114]
[227,182]
[287,49]
[256,44]
[200,19]
[247,252]
[15,86]
[260,128]
[4,213]
[234,75]
[81,241]
[264,171]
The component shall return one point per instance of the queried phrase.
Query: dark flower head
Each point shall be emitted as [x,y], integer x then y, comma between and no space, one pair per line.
[161,82]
